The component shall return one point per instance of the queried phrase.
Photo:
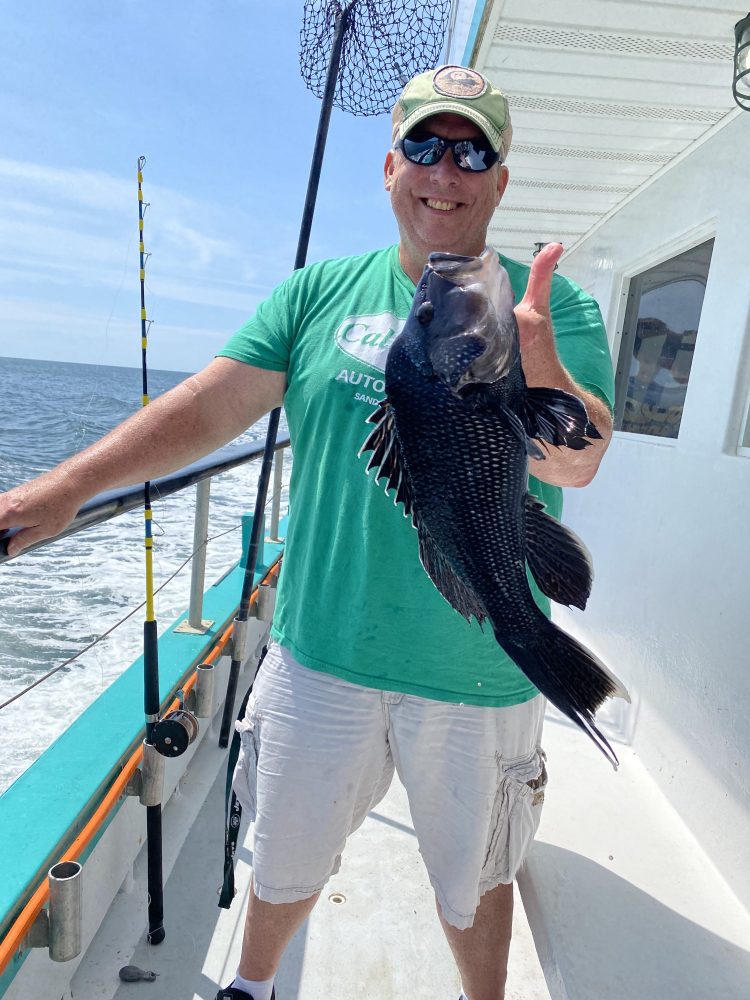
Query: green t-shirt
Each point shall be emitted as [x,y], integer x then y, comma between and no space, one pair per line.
[353,598]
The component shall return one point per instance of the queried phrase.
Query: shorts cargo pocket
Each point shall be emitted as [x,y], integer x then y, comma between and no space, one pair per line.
[515,817]
[245,778]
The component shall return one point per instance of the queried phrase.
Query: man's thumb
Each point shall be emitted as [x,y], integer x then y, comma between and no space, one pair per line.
[540,278]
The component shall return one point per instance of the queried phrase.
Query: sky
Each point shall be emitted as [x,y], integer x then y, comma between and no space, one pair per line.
[210,92]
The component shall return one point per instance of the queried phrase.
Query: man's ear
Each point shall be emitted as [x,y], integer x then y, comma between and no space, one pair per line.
[502,182]
[388,168]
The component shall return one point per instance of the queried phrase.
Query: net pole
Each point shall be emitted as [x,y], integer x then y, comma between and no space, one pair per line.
[320,139]
[254,547]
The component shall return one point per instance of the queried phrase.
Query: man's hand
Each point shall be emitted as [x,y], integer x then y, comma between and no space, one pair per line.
[42,507]
[542,367]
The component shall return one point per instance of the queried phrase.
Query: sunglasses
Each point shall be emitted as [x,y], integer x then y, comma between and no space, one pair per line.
[473,155]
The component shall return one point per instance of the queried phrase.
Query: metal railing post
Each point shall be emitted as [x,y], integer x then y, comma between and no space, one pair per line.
[278,472]
[200,541]
[195,622]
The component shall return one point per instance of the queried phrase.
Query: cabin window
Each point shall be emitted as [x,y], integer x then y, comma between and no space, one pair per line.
[658,341]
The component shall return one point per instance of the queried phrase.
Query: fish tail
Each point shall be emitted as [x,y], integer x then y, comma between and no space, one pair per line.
[568,675]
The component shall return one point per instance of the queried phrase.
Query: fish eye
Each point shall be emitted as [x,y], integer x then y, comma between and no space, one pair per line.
[425,313]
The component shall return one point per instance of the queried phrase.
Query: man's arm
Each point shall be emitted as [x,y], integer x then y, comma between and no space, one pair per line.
[542,367]
[199,415]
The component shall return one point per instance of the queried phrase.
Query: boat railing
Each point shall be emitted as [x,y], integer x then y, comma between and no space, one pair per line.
[111,503]
[200,530]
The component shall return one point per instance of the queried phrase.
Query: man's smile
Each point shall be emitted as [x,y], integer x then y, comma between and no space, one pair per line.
[440,206]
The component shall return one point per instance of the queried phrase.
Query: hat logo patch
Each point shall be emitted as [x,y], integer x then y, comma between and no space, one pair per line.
[459,81]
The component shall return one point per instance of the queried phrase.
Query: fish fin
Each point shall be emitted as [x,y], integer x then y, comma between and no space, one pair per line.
[560,562]
[386,455]
[516,426]
[558,417]
[448,582]
[569,675]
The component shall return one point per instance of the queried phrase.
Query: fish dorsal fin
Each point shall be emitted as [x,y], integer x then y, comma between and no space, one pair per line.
[386,455]
[558,417]
[560,562]
[451,586]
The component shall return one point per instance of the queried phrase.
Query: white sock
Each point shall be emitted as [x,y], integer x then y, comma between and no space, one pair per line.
[257,990]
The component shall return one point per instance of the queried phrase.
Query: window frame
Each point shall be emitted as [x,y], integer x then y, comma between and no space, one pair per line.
[743,451]
[628,275]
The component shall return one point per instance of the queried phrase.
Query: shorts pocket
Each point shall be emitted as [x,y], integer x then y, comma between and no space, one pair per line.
[515,818]
[245,778]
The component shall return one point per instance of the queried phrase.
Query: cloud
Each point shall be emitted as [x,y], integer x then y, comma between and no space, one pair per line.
[71,186]
[69,258]
[206,250]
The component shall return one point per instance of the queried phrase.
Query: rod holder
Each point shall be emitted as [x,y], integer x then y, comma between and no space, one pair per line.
[239,639]
[266,602]
[151,789]
[204,690]
[58,928]
[64,911]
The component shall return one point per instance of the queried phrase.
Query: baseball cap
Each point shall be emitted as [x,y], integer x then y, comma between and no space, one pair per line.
[460,91]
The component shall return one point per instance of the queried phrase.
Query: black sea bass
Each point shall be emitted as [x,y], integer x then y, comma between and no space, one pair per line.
[453,439]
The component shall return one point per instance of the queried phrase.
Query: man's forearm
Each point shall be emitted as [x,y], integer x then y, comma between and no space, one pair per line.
[172,431]
[199,415]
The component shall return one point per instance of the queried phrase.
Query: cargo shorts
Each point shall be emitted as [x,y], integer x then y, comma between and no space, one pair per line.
[318,753]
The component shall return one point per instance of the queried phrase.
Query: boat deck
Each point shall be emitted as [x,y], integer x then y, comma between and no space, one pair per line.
[622,900]
[383,940]
[619,899]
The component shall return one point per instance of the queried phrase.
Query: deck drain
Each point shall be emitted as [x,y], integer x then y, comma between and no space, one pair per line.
[337,897]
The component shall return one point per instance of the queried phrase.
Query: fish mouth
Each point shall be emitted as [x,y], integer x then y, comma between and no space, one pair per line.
[466,271]
[475,340]
[483,275]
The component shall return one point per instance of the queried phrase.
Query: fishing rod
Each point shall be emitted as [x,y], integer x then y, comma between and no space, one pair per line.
[240,622]
[233,810]
[151,703]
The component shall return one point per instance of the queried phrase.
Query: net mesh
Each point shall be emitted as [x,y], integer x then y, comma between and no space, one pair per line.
[385,43]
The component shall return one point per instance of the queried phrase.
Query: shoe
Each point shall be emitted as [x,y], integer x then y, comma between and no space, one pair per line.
[232,993]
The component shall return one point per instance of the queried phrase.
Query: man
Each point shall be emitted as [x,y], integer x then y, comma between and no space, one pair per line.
[371,670]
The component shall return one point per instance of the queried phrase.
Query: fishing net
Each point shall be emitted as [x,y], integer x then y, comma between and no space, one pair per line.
[385,43]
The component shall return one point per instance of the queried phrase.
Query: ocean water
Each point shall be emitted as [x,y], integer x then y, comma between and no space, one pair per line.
[55,600]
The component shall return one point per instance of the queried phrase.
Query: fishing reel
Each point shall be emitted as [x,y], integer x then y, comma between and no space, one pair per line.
[170,737]
[173,734]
